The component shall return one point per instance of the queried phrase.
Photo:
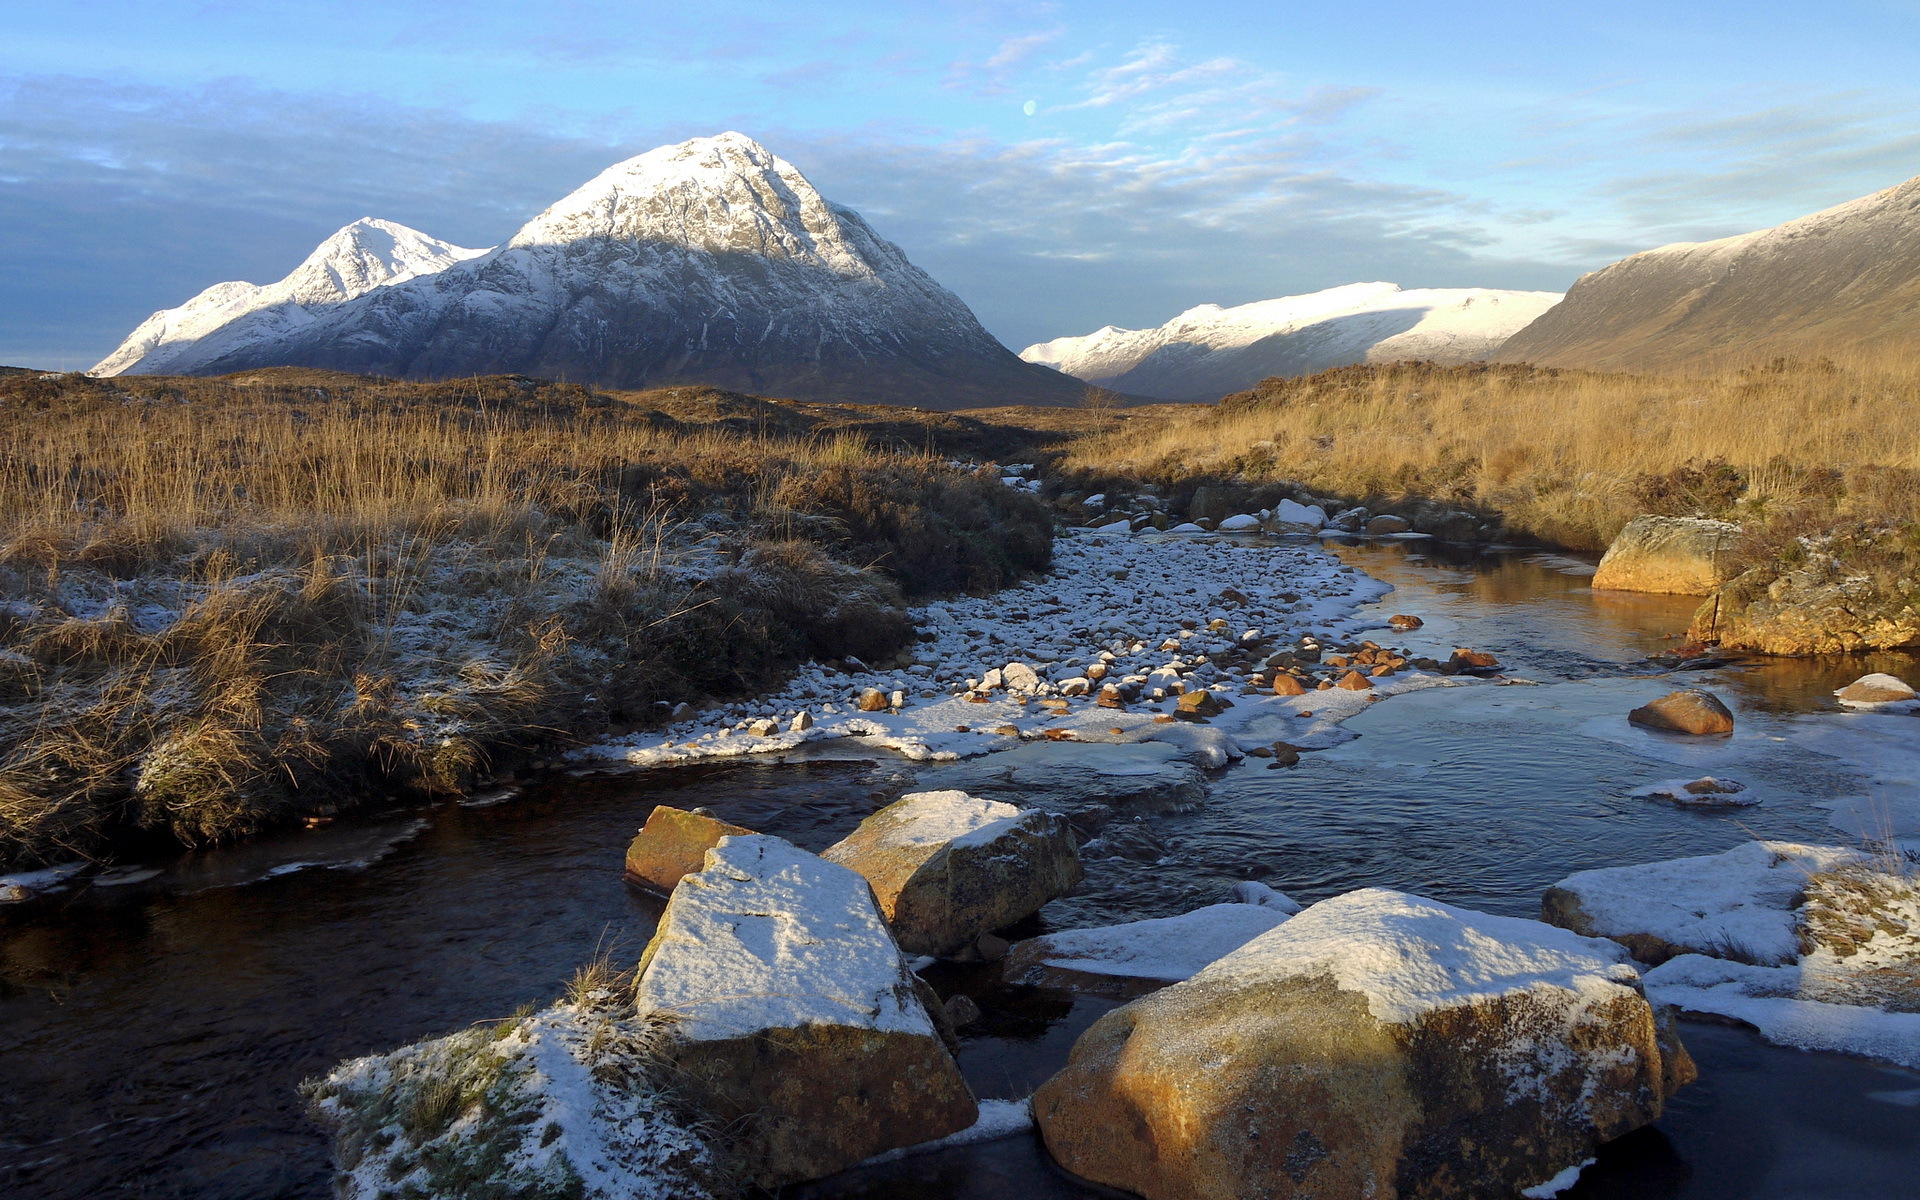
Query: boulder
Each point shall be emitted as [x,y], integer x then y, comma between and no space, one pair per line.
[794,1022]
[1739,905]
[1162,950]
[1214,503]
[1354,681]
[671,844]
[1378,1044]
[1465,661]
[874,700]
[1019,677]
[1693,711]
[1240,523]
[1288,685]
[1305,516]
[947,867]
[1387,523]
[1825,603]
[1682,556]
[1200,704]
[1877,689]
[1404,622]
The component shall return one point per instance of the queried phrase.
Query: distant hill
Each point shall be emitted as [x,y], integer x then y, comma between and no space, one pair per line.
[1209,351]
[708,262]
[1844,279]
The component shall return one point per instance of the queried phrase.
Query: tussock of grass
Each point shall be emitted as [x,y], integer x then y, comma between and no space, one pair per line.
[226,604]
[1564,457]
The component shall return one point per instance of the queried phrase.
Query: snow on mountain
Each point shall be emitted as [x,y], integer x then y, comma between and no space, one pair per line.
[1845,278]
[1209,351]
[360,257]
[712,261]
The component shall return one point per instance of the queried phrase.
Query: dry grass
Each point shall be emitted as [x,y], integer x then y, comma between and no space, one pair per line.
[230,603]
[1565,457]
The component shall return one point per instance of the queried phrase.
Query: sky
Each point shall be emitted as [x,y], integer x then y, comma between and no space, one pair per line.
[1061,166]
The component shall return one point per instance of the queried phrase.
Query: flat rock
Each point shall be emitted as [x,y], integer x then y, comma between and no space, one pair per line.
[1378,1044]
[1681,556]
[1692,711]
[1737,905]
[673,843]
[947,867]
[1091,783]
[796,1025]
[1162,950]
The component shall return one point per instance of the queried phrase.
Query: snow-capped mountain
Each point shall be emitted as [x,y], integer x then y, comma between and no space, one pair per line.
[1847,277]
[227,317]
[712,261]
[1209,351]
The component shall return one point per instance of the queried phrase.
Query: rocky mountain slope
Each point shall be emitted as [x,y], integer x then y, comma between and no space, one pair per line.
[1209,351]
[712,261]
[1844,279]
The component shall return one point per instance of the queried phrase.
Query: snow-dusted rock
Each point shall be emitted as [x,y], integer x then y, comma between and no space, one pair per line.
[1163,950]
[1252,891]
[1738,905]
[568,1102]
[794,1021]
[1378,1044]
[1240,523]
[1707,791]
[1310,516]
[1209,351]
[947,867]
[1019,677]
[1855,985]
[1683,556]
[1877,691]
[673,843]
[1089,782]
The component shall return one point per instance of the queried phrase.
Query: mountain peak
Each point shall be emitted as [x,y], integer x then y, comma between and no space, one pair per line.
[709,261]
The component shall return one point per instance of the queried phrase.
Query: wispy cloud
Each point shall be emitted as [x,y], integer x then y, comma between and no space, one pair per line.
[995,74]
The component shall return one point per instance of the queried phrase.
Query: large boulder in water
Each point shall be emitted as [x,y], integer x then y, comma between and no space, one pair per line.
[1682,556]
[1692,711]
[947,867]
[1378,1044]
[795,1025]
[673,843]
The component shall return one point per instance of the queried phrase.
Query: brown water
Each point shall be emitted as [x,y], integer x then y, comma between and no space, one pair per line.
[151,1035]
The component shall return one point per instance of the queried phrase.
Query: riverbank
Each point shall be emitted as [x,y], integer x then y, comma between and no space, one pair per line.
[234,604]
[230,976]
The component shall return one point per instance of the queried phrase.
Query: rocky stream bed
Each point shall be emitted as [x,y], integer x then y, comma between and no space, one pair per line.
[156,1019]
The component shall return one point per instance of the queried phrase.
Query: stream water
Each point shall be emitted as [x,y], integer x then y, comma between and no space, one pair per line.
[153,1027]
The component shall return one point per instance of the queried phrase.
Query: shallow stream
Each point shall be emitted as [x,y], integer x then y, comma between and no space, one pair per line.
[152,1032]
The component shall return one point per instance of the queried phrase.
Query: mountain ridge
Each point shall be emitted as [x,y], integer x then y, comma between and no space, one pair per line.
[1844,278]
[1209,351]
[712,261]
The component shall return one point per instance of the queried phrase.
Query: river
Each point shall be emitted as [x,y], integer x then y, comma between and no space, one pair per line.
[152,1032]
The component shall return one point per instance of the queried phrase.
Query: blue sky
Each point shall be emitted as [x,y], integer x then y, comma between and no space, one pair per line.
[1059,165]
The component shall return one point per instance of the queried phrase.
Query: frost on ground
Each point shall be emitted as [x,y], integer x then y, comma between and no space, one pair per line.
[1148,612]
[1814,946]
[567,1104]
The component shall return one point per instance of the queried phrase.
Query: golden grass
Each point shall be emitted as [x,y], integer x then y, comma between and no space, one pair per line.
[228,604]
[1563,456]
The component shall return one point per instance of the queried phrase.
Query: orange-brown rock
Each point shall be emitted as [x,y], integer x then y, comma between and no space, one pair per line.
[1693,711]
[671,844]
[1335,1056]
[1354,681]
[1404,622]
[1287,685]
